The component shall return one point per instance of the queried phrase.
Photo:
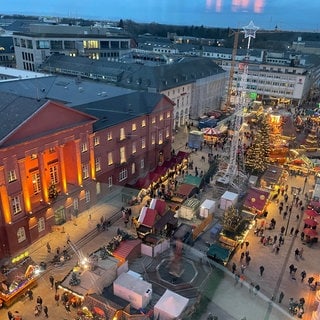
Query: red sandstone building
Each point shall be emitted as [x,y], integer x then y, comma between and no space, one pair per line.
[57,161]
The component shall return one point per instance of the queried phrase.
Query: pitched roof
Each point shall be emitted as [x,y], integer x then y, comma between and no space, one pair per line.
[68,90]
[121,108]
[15,110]
[138,76]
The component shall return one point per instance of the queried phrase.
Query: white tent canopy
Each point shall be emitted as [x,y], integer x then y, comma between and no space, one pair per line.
[170,306]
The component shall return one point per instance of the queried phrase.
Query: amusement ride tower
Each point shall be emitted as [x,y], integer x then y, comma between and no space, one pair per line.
[233,175]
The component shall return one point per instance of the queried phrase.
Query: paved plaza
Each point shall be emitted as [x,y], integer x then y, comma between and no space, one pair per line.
[229,300]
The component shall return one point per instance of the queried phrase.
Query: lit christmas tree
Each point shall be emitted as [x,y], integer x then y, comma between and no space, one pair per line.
[257,157]
[231,219]
[53,192]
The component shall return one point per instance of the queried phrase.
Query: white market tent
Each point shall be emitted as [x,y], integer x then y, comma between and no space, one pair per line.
[228,199]
[170,306]
[207,207]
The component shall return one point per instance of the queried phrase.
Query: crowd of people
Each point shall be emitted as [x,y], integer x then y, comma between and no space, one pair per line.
[274,232]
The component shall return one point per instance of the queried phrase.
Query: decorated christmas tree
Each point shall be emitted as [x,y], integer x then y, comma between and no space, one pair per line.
[231,219]
[53,192]
[257,157]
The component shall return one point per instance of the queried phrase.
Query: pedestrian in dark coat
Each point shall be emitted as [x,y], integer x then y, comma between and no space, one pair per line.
[51,279]
[45,310]
[10,315]
[39,300]
[261,270]
[281,296]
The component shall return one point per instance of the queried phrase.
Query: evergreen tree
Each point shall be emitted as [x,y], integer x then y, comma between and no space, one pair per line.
[257,157]
[231,219]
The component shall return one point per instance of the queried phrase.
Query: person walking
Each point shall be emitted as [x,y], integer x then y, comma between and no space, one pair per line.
[10,315]
[281,296]
[29,293]
[51,279]
[57,298]
[301,253]
[39,300]
[303,275]
[45,310]
[234,268]
[48,247]
[291,231]
[261,270]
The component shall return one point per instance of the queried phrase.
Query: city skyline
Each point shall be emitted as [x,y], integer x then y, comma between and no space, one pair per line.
[266,14]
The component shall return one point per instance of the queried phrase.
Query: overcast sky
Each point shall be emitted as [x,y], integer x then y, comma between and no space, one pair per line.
[285,14]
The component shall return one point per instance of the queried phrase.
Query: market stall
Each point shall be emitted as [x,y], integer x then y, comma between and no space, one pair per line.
[189,209]
[228,199]
[256,200]
[183,192]
[170,306]
[17,279]
[271,177]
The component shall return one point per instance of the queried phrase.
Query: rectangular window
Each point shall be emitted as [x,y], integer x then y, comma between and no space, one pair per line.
[98,164]
[153,120]
[153,138]
[16,205]
[54,174]
[167,132]
[12,175]
[36,183]
[134,147]
[109,136]
[85,171]
[91,44]
[43,44]
[160,141]
[110,158]
[75,204]
[98,188]
[133,168]
[134,127]
[122,134]
[122,155]
[110,182]
[21,235]
[123,174]
[41,224]
[84,147]
[33,156]
[142,164]
[143,143]
[96,140]
[143,123]
[161,117]
[87,196]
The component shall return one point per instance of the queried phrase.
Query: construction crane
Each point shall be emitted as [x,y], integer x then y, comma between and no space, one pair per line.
[232,170]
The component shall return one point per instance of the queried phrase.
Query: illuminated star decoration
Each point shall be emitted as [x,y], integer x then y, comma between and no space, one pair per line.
[250,31]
